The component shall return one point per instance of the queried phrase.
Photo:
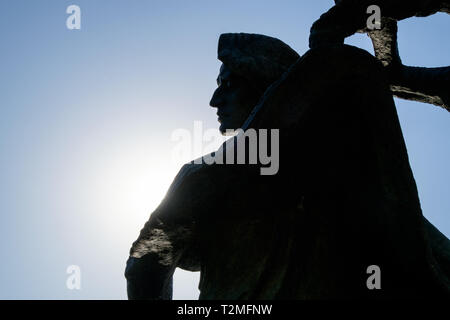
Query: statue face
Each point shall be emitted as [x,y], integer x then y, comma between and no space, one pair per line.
[234,98]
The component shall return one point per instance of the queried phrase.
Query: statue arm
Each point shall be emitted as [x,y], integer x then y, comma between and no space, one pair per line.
[170,238]
[428,85]
[164,242]
[350,16]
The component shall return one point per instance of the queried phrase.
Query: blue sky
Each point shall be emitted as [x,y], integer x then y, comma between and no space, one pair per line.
[87,117]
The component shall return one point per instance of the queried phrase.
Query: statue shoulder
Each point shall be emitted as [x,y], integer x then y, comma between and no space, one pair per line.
[185,171]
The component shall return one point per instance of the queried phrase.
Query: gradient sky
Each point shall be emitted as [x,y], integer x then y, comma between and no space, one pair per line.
[87,116]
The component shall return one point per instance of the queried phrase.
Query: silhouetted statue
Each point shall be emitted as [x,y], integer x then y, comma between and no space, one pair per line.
[343,200]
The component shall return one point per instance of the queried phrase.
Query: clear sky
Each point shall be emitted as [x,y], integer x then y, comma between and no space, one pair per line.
[87,117]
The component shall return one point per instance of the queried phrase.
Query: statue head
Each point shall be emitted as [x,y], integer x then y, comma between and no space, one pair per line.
[250,64]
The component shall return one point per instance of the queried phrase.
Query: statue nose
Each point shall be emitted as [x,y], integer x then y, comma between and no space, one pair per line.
[216,100]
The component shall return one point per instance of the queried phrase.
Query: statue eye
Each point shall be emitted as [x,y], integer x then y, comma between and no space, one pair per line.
[228,83]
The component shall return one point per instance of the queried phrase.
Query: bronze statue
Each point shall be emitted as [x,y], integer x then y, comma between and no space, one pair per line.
[344,199]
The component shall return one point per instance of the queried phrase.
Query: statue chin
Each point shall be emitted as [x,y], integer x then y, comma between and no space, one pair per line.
[227,131]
